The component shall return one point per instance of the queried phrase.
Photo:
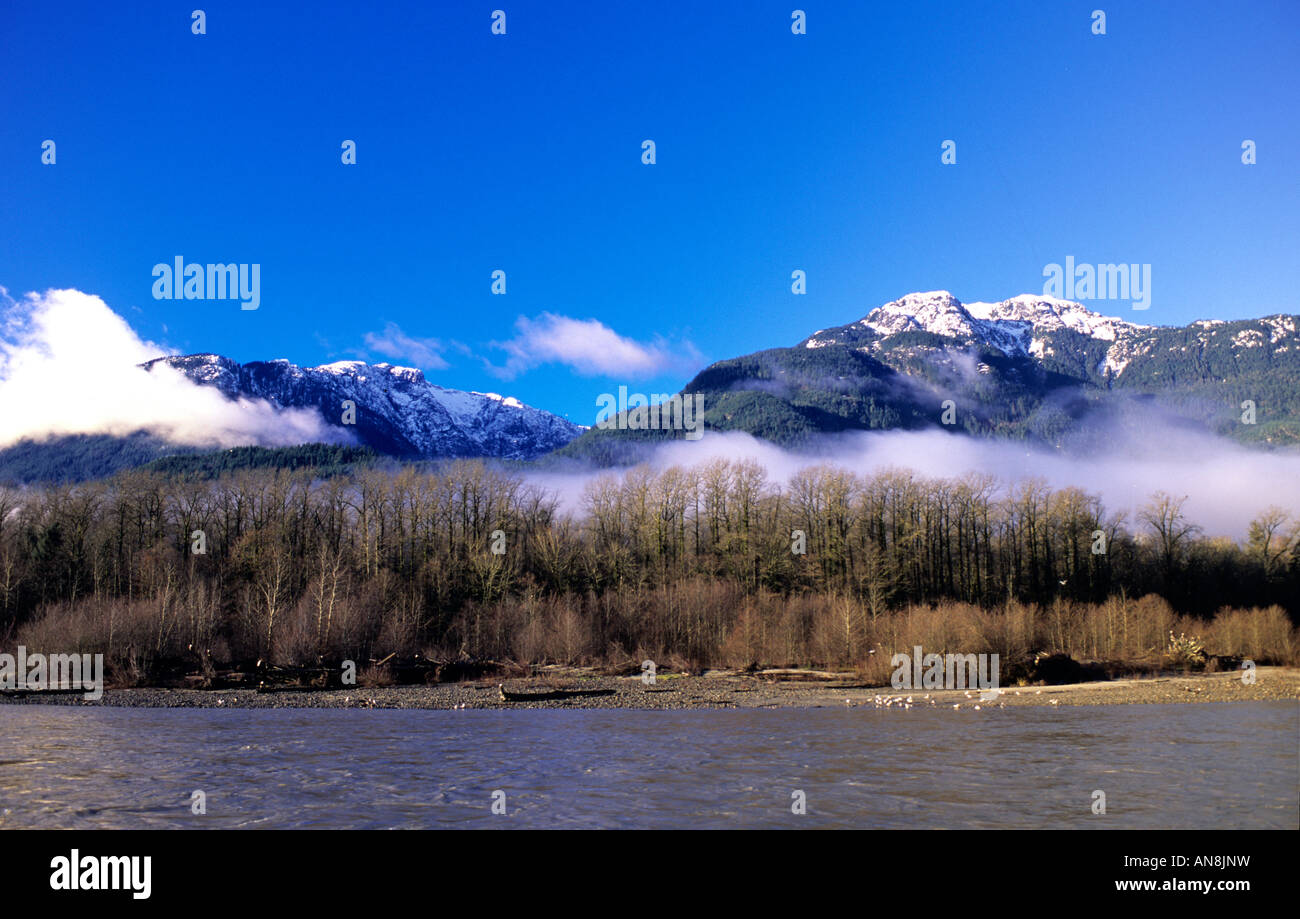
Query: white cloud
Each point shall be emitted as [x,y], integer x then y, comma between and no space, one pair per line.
[589,347]
[70,365]
[425,353]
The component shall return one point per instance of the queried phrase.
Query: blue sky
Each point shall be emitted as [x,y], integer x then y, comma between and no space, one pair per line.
[522,152]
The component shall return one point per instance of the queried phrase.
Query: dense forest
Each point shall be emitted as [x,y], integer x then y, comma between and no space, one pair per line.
[321,459]
[85,457]
[709,565]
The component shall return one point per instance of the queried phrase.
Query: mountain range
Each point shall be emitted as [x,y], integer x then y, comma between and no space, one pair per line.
[397,411]
[1031,367]
[393,411]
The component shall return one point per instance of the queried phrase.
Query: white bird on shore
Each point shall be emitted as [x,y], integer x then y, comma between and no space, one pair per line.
[909,699]
[1053,701]
[977,708]
[957,706]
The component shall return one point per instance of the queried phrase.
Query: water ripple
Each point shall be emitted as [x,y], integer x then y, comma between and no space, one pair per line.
[1160,766]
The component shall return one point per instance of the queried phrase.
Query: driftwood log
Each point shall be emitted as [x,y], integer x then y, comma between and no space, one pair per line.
[510,696]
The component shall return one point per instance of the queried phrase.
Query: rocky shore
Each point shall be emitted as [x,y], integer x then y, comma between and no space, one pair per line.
[579,688]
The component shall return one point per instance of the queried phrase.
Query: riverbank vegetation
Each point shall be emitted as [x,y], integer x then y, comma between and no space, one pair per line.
[694,567]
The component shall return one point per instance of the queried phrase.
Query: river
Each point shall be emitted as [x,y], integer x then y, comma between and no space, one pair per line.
[1159,766]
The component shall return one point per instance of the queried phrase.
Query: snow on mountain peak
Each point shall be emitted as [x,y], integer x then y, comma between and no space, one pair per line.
[341,367]
[1010,325]
[936,311]
[508,401]
[1048,314]
[1015,326]
[406,374]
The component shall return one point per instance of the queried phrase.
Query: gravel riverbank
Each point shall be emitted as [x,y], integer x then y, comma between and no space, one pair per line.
[716,689]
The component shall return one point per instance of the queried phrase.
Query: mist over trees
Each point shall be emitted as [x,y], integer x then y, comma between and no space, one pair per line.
[706,564]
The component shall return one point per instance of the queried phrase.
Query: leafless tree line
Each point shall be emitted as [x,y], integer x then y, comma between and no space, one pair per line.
[714,563]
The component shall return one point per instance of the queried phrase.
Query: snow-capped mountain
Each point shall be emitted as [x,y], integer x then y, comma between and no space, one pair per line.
[1015,326]
[1030,325]
[1030,366]
[397,411]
